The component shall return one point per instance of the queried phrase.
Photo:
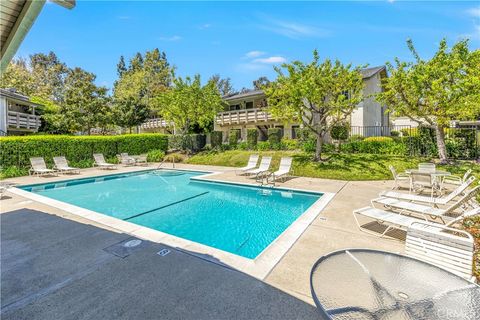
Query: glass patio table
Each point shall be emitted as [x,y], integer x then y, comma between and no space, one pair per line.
[370,284]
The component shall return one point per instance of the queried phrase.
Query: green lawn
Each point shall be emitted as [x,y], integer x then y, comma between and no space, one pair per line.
[339,166]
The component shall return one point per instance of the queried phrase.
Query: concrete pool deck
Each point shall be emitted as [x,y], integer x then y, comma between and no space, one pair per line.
[333,229]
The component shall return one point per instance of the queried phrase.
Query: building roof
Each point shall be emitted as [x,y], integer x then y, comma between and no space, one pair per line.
[17,97]
[366,73]
[18,17]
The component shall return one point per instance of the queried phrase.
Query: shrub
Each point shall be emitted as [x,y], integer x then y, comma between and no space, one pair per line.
[379,139]
[155,155]
[187,142]
[233,138]
[356,137]
[289,144]
[263,146]
[252,137]
[243,146]
[309,145]
[274,137]
[12,171]
[16,151]
[394,133]
[174,157]
[216,139]
[340,132]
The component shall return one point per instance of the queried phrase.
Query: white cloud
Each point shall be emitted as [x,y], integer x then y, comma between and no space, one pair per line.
[474,12]
[271,60]
[254,54]
[390,1]
[205,26]
[295,30]
[172,38]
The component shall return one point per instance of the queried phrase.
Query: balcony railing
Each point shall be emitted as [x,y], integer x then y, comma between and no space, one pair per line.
[243,116]
[155,123]
[21,120]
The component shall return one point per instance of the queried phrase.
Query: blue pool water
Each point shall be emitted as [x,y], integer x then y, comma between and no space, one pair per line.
[238,219]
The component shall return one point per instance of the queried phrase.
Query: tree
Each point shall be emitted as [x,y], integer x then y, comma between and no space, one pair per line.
[188,103]
[223,85]
[435,91]
[84,102]
[261,83]
[130,112]
[320,95]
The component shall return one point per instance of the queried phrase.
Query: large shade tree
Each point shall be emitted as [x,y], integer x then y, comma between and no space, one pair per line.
[435,91]
[189,103]
[319,94]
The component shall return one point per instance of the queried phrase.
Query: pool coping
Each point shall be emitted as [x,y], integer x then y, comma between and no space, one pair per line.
[259,267]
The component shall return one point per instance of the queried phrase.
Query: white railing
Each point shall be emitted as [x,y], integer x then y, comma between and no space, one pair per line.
[21,120]
[155,123]
[243,116]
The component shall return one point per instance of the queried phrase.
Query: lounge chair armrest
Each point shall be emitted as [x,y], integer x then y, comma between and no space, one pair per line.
[403,175]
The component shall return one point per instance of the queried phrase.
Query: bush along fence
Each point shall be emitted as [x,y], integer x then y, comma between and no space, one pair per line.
[187,142]
[16,151]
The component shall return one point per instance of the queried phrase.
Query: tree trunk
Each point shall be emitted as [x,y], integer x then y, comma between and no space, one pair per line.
[442,150]
[318,149]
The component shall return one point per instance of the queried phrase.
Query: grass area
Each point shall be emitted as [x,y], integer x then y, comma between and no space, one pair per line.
[339,166]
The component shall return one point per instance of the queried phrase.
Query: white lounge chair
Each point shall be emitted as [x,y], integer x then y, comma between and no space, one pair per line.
[252,164]
[101,163]
[400,178]
[425,211]
[456,180]
[126,160]
[283,169]
[263,168]
[430,200]
[61,164]
[399,221]
[38,167]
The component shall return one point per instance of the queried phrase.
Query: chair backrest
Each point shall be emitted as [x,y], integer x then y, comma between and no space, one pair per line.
[265,163]
[447,248]
[393,171]
[469,213]
[470,195]
[99,158]
[60,161]
[419,177]
[285,164]
[38,163]
[252,161]
[460,189]
[466,175]
[426,167]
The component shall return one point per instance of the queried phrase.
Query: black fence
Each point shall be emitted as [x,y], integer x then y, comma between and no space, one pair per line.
[461,142]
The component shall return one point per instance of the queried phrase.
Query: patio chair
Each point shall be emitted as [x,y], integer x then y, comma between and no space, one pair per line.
[426,167]
[413,208]
[101,163]
[427,199]
[421,181]
[456,180]
[262,168]
[394,220]
[38,167]
[125,159]
[283,169]
[61,164]
[447,248]
[399,178]
[252,164]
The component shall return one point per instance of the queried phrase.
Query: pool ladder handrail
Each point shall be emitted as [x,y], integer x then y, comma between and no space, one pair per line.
[163,161]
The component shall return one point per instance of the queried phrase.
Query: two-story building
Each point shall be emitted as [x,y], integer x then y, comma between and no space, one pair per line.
[249,111]
[17,113]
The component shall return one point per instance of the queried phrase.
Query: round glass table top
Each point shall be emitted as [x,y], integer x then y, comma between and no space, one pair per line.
[370,284]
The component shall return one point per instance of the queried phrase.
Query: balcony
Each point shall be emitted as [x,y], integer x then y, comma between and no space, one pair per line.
[155,123]
[23,121]
[243,116]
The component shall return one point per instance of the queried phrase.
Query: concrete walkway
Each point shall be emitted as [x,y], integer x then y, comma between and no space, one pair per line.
[54,268]
[333,229]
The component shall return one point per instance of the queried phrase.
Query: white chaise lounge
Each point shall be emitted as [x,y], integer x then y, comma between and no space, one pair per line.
[427,199]
[252,164]
[38,167]
[61,164]
[126,160]
[262,168]
[101,163]
[283,169]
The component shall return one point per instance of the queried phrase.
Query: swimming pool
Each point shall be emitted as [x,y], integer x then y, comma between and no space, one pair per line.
[239,219]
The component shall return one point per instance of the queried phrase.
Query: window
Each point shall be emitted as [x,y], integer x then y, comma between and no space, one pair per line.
[281,130]
[249,105]
[234,107]
[294,131]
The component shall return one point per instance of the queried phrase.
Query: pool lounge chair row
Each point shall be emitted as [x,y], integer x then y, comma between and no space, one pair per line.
[263,169]
[39,167]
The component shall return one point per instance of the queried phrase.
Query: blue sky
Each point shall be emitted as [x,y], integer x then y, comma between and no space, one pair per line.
[243,40]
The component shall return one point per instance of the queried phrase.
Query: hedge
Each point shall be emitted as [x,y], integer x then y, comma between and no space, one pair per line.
[233,137]
[252,138]
[16,151]
[274,136]
[216,139]
[187,142]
